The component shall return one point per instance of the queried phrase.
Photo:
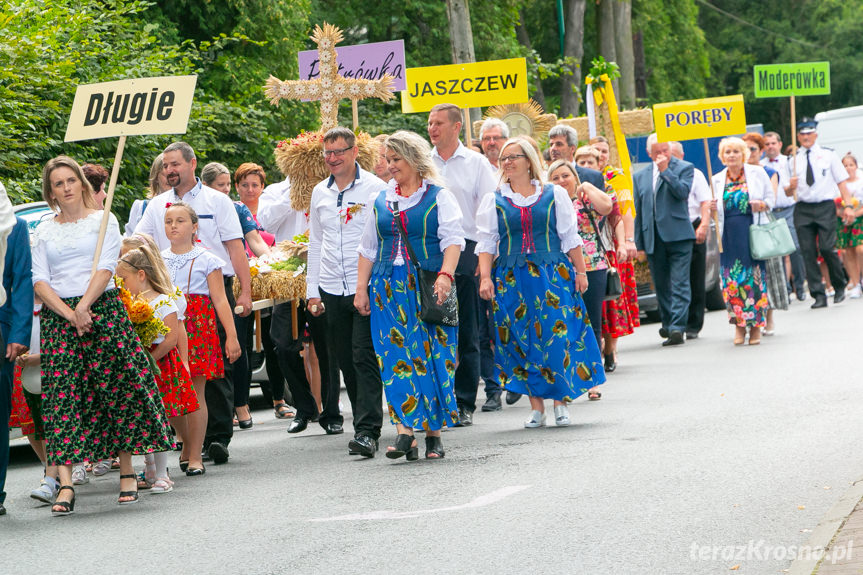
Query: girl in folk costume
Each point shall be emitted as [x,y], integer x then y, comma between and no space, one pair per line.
[144,276]
[199,274]
[544,346]
[99,395]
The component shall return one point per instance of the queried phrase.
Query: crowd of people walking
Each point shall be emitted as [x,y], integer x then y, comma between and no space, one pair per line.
[450,266]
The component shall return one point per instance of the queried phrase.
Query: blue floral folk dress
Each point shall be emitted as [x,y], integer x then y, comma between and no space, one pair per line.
[416,359]
[544,345]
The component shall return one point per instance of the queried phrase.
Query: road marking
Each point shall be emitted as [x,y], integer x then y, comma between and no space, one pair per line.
[481,501]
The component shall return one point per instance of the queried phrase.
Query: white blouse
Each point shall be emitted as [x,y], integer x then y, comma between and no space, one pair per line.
[449,231]
[486,218]
[855,188]
[63,253]
[189,271]
[163,306]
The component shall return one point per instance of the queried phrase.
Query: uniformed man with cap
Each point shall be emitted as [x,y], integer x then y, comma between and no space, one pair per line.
[819,172]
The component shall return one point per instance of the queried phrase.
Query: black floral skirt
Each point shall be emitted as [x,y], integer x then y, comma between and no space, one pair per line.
[99,396]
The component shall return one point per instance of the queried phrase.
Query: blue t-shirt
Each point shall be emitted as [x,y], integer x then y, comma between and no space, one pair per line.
[247,221]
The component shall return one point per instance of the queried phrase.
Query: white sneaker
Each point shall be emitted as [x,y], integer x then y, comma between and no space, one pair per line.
[79,475]
[561,415]
[855,292]
[47,491]
[536,419]
[102,467]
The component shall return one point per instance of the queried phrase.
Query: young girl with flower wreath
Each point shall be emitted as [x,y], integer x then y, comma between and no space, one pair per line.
[146,280]
[198,273]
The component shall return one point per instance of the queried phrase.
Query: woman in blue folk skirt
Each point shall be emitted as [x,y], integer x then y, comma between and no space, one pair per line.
[544,346]
[417,360]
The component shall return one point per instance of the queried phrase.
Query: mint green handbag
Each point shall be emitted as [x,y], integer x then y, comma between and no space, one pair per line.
[770,240]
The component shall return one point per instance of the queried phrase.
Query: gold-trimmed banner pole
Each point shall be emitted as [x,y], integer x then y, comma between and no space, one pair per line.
[103,228]
[712,194]
[793,143]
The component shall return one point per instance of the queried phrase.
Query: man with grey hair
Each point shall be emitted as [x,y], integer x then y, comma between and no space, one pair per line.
[492,134]
[562,143]
[664,233]
[220,232]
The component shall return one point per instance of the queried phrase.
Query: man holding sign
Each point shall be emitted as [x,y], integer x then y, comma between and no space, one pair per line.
[818,174]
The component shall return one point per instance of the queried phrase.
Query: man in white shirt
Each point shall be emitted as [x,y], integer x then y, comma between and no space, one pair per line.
[784,205]
[219,231]
[819,173]
[492,135]
[469,176]
[699,215]
[337,216]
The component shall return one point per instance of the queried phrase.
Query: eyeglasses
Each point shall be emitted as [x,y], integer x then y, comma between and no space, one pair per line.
[336,153]
[512,158]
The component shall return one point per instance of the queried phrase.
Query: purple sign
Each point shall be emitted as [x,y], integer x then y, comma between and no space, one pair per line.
[365,61]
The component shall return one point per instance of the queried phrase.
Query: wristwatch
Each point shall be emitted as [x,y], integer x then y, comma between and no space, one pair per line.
[630,239]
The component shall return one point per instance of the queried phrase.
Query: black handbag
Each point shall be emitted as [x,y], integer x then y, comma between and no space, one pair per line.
[431,311]
[613,285]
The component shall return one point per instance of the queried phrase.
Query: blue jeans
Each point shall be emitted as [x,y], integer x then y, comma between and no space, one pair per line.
[798,270]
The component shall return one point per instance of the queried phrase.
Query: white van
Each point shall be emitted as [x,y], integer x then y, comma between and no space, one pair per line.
[842,130]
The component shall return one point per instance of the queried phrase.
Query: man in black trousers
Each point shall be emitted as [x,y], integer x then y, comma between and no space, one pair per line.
[337,216]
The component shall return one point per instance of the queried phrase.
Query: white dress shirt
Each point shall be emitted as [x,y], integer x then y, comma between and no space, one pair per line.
[780,164]
[337,219]
[469,177]
[63,253]
[449,230]
[217,220]
[828,171]
[486,218]
[699,192]
[276,214]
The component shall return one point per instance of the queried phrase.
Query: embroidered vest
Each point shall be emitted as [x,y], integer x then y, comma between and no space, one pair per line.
[421,222]
[529,232]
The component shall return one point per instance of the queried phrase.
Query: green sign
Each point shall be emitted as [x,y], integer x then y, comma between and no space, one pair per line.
[781,80]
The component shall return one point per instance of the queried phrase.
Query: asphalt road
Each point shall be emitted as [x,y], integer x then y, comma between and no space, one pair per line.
[706,446]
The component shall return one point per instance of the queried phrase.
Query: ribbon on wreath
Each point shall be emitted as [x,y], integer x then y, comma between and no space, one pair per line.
[599,90]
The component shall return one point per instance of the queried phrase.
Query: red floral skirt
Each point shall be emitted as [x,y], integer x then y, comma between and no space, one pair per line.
[205,353]
[21,416]
[620,316]
[175,385]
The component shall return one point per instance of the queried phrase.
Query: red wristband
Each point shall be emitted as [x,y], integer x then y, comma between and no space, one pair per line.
[447,274]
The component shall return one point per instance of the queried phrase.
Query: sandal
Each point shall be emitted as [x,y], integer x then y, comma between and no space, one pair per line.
[143,483]
[68,507]
[115,464]
[132,494]
[434,447]
[282,411]
[162,485]
[594,395]
[406,446]
[102,467]
[756,332]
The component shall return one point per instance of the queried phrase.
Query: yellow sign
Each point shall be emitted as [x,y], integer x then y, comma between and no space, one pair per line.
[466,85]
[131,108]
[696,119]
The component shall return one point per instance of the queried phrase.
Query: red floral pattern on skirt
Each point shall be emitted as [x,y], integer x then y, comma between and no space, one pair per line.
[205,353]
[175,385]
[620,316]
[21,416]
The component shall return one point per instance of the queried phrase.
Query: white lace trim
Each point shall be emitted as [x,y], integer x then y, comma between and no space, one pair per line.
[69,234]
[176,262]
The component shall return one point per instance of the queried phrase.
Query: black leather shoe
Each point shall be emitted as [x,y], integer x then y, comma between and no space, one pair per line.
[363,445]
[298,424]
[492,403]
[691,335]
[674,338]
[333,428]
[2,509]
[245,423]
[610,364]
[663,333]
[512,397]
[839,296]
[218,453]
[820,301]
[465,417]
[195,471]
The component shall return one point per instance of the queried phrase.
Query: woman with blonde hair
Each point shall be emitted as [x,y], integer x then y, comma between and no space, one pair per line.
[743,190]
[531,265]
[416,359]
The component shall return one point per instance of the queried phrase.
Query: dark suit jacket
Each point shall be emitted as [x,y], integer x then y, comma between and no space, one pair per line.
[666,212]
[16,315]
[592,176]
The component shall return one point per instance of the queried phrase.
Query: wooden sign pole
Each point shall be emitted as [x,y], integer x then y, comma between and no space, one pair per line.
[712,195]
[103,229]
[793,143]
[356,114]
[468,140]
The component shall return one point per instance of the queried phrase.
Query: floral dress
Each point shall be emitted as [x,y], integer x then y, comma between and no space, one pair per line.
[851,235]
[744,286]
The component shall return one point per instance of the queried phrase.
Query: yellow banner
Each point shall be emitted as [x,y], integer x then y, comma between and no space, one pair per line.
[696,119]
[466,85]
[131,108]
